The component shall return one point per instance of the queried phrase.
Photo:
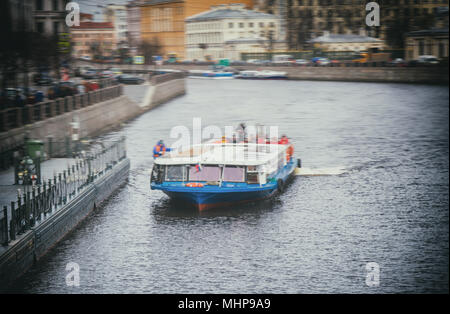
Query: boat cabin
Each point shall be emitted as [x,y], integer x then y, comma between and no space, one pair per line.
[222,164]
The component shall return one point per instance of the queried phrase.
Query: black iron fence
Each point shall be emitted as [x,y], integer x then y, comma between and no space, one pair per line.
[158,79]
[35,203]
[19,116]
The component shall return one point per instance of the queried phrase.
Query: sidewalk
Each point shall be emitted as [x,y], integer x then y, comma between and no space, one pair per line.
[8,191]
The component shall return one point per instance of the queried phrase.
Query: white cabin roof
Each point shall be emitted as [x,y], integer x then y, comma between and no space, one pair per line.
[239,154]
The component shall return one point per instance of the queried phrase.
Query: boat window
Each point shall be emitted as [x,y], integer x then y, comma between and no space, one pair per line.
[234,174]
[175,173]
[157,173]
[252,178]
[204,173]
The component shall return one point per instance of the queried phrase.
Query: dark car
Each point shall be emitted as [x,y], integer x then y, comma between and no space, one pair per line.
[129,79]
[31,95]
[12,97]
[62,89]
[42,79]
[90,74]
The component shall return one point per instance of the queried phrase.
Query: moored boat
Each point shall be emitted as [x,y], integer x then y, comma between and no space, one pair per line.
[262,75]
[224,172]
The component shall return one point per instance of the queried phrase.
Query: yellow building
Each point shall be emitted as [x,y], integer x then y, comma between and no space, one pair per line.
[163,20]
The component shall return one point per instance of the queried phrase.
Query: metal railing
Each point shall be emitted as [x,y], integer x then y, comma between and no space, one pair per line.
[37,202]
[19,116]
[158,79]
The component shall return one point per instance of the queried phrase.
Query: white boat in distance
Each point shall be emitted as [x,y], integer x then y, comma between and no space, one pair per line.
[262,75]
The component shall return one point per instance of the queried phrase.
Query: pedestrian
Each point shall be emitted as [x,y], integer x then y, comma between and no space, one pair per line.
[39,96]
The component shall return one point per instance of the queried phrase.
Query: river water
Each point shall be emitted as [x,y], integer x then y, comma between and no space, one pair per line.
[386,202]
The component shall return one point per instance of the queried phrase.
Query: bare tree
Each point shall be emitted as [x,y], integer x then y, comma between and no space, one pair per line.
[149,48]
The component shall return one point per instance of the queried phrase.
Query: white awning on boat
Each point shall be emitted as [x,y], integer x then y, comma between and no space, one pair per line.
[245,154]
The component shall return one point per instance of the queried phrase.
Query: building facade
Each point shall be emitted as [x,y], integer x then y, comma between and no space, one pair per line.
[117,16]
[308,19]
[163,21]
[226,31]
[346,42]
[432,41]
[50,16]
[93,39]
[134,24]
[16,15]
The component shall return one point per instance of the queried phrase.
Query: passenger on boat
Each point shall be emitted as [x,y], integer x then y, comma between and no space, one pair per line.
[284,140]
[160,149]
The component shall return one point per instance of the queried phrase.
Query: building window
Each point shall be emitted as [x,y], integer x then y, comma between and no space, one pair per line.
[40,27]
[241,25]
[55,28]
[39,5]
[55,5]
[421,48]
[441,50]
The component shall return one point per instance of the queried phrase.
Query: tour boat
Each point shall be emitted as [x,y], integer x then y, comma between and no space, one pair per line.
[261,75]
[210,74]
[224,172]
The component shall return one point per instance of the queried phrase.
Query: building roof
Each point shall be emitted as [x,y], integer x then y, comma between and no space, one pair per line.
[429,32]
[229,13]
[94,25]
[86,15]
[155,2]
[344,38]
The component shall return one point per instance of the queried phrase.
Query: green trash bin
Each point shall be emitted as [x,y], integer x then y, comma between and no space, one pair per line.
[35,149]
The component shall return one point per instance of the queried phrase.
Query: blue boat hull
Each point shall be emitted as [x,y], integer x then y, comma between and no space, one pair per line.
[208,200]
[213,196]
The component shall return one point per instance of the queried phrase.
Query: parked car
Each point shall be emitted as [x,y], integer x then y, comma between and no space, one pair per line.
[86,58]
[89,86]
[283,62]
[427,60]
[301,62]
[62,89]
[13,97]
[107,74]
[41,79]
[90,74]
[254,61]
[322,61]
[129,79]
[31,95]
[116,71]
[399,62]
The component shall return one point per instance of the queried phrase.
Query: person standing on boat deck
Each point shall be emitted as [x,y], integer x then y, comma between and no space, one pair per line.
[160,149]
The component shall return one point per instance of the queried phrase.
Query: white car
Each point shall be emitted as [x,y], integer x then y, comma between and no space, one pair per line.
[86,58]
[301,62]
[116,71]
[107,74]
[323,61]
[427,59]
[254,61]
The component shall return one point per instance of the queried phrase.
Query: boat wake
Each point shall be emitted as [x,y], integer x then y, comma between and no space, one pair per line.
[332,171]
